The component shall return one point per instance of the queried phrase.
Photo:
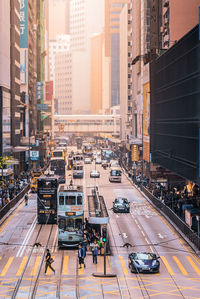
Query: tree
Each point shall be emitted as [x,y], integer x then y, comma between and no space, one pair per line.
[4,161]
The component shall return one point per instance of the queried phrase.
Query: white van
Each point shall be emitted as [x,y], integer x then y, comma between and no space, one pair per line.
[115,174]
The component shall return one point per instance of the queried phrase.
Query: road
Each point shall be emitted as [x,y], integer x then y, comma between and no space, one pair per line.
[22,267]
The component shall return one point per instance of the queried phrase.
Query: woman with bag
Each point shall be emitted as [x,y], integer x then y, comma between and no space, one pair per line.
[49,261]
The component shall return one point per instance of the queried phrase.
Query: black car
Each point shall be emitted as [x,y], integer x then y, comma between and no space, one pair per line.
[140,262]
[121,205]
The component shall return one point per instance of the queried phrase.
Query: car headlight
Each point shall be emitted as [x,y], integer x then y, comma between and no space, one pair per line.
[154,263]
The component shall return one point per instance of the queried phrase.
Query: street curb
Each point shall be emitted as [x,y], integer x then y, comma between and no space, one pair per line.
[193,247]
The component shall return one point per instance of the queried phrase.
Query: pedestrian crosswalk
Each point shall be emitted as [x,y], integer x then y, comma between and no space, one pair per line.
[184,264]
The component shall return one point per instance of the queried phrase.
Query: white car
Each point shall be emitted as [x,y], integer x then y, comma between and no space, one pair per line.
[88,161]
[94,174]
[98,160]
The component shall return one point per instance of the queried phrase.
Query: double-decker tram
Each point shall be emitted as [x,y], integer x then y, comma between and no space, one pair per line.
[47,199]
[70,215]
[57,165]
[87,150]
[77,170]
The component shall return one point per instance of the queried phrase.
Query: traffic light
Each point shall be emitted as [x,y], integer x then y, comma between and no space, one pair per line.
[104,234]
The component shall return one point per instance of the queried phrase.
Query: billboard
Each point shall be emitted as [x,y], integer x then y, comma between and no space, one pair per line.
[34,155]
[146,122]
[24,24]
[48,91]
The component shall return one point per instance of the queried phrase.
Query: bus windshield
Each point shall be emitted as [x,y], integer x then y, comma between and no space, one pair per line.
[58,154]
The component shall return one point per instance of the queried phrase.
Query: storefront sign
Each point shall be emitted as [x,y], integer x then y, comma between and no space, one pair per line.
[24,24]
[34,155]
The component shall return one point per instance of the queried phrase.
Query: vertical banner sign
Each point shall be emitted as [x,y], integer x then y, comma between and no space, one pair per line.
[146,122]
[24,24]
[154,40]
[48,90]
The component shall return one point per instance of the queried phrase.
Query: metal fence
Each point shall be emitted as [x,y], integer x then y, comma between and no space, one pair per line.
[13,202]
[182,226]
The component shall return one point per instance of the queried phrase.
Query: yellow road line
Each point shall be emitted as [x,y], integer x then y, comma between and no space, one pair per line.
[35,267]
[184,272]
[194,266]
[65,265]
[49,270]
[80,271]
[169,269]
[123,264]
[5,269]
[21,267]
[6,222]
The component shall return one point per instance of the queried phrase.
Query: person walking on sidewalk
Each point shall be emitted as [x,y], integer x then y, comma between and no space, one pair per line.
[49,261]
[81,256]
[26,199]
[95,251]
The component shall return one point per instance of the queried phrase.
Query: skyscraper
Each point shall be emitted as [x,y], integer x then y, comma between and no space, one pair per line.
[58,18]
[112,41]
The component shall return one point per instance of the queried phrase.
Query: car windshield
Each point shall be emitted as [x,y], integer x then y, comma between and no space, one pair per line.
[116,172]
[120,200]
[144,256]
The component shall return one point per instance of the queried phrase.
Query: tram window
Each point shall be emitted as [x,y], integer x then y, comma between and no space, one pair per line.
[69,222]
[61,223]
[70,200]
[79,200]
[78,223]
[47,203]
[61,200]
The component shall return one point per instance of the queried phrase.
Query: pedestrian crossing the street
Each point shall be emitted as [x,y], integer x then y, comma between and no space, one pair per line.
[184,265]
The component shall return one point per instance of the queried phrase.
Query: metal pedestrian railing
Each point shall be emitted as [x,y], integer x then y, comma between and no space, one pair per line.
[181,225]
[5,209]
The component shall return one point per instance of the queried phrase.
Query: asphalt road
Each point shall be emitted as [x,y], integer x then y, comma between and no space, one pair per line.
[22,266]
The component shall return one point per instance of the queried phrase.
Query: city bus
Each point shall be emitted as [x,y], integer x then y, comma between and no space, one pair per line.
[77,158]
[35,174]
[47,199]
[78,169]
[59,153]
[70,215]
[115,174]
[57,165]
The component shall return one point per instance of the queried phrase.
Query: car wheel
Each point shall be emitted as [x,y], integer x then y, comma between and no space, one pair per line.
[132,269]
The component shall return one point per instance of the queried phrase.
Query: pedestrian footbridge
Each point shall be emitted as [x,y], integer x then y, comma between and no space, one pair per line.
[109,124]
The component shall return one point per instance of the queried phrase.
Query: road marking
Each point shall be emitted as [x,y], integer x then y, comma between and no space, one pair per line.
[5,269]
[54,247]
[22,265]
[169,269]
[123,264]
[49,270]
[160,236]
[80,271]
[65,265]
[143,233]
[26,239]
[36,265]
[184,272]
[192,263]
[147,241]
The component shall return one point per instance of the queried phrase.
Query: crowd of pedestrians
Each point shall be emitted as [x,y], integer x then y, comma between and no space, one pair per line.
[8,192]
[92,242]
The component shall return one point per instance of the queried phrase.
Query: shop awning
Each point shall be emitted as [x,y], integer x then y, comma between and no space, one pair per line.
[18,149]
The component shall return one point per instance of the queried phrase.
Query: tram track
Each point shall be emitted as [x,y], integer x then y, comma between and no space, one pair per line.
[21,278]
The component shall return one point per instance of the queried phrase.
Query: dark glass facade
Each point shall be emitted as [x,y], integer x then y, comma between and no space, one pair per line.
[175,108]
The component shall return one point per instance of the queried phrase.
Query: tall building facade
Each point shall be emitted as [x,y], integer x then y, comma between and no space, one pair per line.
[15,71]
[63,82]
[96,74]
[58,18]
[112,43]
[174,16]
[86,18]
[58,45]
[5,96]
